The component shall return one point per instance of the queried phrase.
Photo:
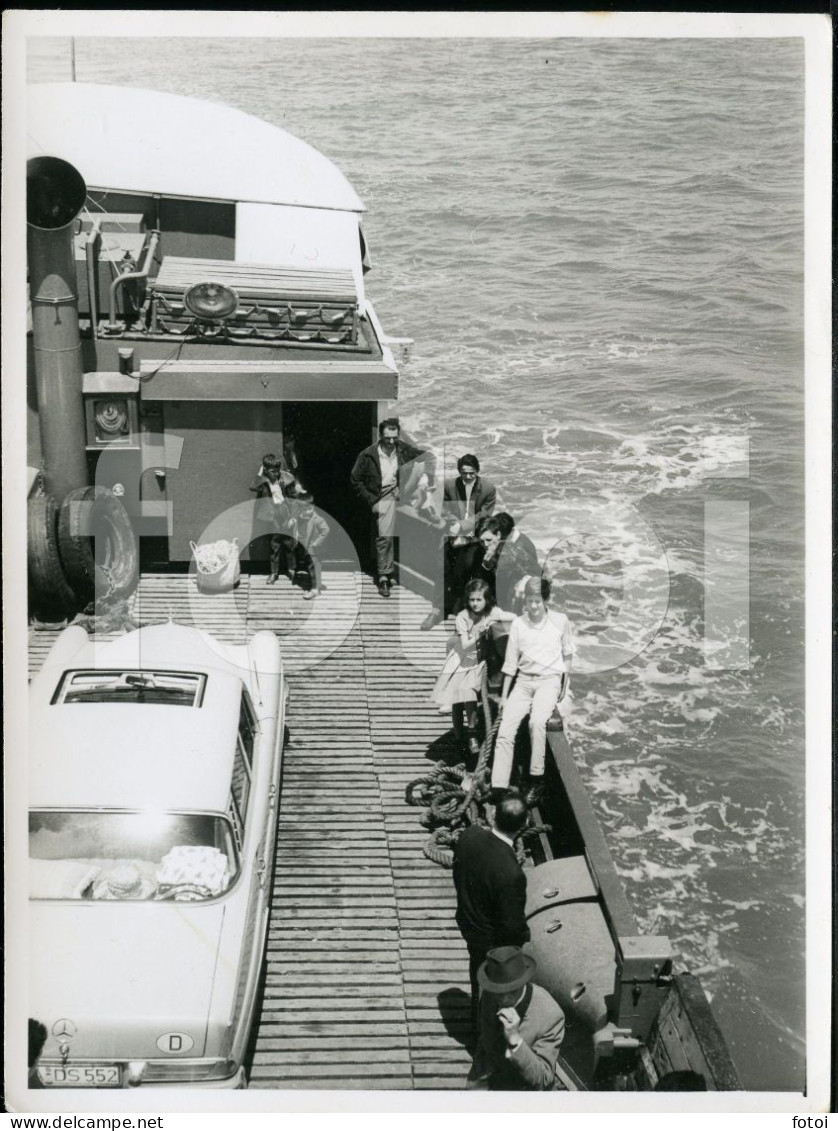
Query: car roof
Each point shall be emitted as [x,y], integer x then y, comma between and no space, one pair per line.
[135,755]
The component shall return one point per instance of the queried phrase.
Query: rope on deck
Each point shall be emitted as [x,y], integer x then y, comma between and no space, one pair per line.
[456,798]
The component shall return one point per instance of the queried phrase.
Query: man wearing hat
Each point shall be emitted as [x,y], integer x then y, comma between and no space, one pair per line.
[491,886]
[521,1027]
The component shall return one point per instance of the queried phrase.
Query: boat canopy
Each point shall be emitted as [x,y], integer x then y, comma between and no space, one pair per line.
[310,238]
[145,141]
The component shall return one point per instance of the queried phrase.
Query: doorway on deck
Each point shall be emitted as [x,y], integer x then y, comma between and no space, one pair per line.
[328,436]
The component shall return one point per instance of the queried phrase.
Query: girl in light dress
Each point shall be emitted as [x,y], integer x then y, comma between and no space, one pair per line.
[459,681]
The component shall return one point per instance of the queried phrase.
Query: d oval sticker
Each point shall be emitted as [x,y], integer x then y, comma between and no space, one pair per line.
[175,1043]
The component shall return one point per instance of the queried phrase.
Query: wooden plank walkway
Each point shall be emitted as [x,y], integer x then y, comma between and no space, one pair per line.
[367,976]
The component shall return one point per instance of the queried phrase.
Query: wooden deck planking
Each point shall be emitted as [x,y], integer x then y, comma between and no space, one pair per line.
[366,974]
[404,725]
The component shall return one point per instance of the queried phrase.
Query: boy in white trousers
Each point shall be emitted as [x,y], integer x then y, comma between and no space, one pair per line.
[538,654]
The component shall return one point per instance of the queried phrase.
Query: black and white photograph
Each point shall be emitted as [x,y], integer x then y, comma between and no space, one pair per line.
[417,562]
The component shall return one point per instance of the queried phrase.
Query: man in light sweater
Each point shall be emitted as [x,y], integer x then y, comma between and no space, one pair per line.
[521,1027]
[538,654]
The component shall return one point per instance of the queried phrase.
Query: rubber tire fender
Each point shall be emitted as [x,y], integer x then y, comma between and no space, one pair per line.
[86,513]
[50,592]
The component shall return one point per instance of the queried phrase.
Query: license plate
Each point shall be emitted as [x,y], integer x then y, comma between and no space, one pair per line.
[79,1076]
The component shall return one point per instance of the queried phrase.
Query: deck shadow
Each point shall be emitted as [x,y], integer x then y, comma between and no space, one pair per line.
[445,749]
[455,1011]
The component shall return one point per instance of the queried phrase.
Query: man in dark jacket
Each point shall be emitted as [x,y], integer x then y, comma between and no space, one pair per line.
[465,500]
[514,536]
[507,564]
[384,473]
[491,886]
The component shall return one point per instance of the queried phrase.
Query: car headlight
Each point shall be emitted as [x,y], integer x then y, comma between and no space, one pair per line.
[181,1071]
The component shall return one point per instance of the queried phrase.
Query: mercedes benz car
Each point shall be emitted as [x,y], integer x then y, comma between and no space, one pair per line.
[154,775]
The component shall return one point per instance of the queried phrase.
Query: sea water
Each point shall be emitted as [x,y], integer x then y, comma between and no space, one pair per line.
[596,246]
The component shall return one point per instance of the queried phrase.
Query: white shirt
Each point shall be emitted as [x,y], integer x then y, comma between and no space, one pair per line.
[469,488]
[539,650]
[389,464]
[502,836]
[460,539]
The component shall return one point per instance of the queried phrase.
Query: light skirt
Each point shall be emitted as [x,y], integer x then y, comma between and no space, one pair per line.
[457,684]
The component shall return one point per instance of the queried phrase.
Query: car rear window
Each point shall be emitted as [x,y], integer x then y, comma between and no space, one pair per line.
[181,689]
[130,855]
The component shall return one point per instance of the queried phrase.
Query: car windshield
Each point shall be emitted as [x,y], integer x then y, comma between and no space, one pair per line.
[180,689]
[143,855]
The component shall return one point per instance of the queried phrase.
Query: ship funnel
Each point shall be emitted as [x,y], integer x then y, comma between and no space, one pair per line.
[55,194]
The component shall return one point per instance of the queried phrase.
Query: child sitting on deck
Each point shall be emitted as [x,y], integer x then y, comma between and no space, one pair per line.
[462,673]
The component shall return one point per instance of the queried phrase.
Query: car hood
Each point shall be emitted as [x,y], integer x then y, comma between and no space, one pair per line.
[125,976]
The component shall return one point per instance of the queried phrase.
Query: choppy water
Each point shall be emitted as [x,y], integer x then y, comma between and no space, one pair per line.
[597,247]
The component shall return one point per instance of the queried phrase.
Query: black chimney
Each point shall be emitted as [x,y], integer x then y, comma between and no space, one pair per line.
[55,194]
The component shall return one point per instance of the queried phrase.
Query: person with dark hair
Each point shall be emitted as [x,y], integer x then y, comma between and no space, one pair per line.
[383,473]
[520,1027]
[37,1039]
[681,1080]
[465,500]
[539,654]
[512,535]
[505,565]
[274,485]
[491,887]
[308,530]
[462,673]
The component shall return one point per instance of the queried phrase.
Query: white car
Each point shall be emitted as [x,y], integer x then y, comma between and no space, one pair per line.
[154,776]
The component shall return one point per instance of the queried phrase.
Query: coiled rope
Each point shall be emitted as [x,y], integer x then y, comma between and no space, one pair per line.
[456,798]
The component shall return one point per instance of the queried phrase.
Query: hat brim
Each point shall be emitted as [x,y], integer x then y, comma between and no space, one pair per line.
[486,982]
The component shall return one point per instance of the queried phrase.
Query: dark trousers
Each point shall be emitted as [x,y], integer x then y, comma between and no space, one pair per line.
[304,568]
[291,557]
[282,553]
[478,948]
[458,566]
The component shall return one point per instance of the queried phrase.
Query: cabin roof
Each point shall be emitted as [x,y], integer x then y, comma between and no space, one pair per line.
[145,141]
